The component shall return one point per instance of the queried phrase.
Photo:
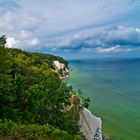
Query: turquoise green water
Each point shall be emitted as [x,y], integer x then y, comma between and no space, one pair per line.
[114,89]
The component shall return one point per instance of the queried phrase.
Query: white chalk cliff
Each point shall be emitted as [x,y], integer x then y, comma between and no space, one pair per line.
[61,67]
[90,125]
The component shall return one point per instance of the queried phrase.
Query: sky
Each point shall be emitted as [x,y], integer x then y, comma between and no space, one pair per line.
[73,29]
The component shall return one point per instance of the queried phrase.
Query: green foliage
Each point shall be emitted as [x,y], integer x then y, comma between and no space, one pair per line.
[40,58]
[85,101]
[2,41]
[11,131]
[48,58]
[6,97]
[32,93]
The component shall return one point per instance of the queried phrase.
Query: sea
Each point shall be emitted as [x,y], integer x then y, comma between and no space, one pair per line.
[113,86]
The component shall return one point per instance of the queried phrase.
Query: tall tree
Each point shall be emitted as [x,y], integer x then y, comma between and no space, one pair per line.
[2,41]
[5,80]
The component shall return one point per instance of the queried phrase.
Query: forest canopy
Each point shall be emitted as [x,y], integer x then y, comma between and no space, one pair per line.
[32,93]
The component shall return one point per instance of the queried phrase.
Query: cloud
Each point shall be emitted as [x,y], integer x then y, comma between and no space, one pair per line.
[114,39]
[6,22]
[34,42]
[111,40]
[122,36]
[13,22]
[18,29]
[11,42]
[8,4]
[25,40]
[113,50]
[70,26]
[50,18]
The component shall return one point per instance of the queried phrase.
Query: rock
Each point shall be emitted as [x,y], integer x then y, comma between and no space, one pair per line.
[75,103]
[59,65]
[61,69]
[90,125]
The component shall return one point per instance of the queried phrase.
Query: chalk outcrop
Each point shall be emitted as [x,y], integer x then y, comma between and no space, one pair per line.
[61,69]
[59,65]
[90,125]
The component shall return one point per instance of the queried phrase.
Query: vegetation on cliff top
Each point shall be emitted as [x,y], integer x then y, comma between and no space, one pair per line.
[32,96]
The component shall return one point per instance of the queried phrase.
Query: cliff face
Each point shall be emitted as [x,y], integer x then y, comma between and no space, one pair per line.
[90,125]
[61,69]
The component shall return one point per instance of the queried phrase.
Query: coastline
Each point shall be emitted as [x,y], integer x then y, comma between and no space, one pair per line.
[90,125]
[113,88]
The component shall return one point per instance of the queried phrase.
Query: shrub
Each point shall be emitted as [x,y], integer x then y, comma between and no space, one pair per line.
[11,131]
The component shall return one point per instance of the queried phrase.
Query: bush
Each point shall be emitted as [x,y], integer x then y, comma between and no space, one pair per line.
[11,131]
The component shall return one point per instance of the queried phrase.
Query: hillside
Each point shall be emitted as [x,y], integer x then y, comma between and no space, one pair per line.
[34,101]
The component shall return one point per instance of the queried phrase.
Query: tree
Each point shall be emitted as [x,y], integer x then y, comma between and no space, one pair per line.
[2,41]
[85,101]
[31,92]
[6,97]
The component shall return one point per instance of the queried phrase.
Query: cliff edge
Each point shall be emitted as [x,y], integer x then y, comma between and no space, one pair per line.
[62,69]
[90,125]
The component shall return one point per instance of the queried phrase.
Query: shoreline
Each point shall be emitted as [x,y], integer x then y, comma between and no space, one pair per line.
[112,100]
[90,125]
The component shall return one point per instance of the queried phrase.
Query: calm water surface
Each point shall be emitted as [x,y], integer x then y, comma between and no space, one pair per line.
[114,89]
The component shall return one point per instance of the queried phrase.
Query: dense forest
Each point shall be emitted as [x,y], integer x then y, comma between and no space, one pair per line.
[34,101]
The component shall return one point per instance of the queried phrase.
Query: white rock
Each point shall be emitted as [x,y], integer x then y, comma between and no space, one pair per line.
[59,65]
[90,125]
